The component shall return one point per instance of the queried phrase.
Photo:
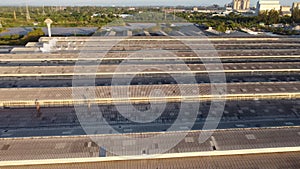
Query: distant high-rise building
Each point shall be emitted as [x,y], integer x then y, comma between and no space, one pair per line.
[267,5]
[241,5]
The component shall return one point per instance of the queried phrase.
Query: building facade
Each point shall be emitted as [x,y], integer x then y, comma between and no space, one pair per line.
[267,5]
[241,5]
[285,10]
[195,9]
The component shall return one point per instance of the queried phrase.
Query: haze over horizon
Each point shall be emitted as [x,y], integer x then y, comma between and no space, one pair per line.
[123,2]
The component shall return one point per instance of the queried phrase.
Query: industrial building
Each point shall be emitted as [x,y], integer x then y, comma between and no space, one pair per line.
[41,125]
[267,5]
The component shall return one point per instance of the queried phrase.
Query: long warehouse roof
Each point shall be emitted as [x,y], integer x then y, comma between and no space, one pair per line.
[121,56]
[23,71]
[76,146]
[141,93]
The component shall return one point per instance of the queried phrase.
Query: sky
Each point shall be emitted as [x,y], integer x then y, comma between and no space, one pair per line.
[123,2]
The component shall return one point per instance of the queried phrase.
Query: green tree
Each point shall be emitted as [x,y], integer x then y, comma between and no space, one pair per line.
[221,27]
[33,36]
[269,17]
[263,16]
[155,28]
[273,17]
[296,15]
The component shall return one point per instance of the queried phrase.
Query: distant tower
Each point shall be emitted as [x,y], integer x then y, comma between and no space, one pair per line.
[241,5]
[27,13]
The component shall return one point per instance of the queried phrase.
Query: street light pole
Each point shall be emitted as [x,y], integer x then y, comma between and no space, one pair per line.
[49,22]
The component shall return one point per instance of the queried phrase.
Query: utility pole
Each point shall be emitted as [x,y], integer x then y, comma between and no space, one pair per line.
[15,15]
[27,13]
[174,17]
[165,14]
[44,13]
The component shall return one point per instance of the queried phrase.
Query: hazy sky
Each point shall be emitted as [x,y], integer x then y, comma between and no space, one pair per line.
[124,2]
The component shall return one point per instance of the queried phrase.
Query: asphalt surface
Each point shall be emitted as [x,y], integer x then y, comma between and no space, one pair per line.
[62,31]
